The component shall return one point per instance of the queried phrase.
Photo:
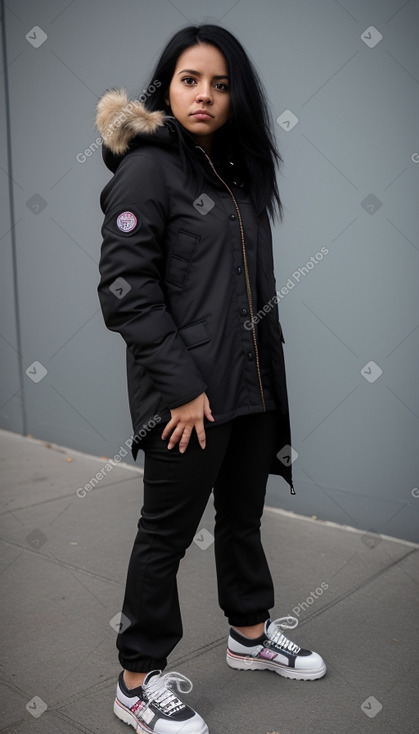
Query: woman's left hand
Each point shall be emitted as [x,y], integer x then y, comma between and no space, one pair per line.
[184,419]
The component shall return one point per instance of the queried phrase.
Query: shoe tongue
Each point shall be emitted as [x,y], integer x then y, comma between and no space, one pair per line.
[150,675]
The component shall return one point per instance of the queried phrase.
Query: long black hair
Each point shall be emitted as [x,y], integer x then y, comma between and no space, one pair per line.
[247,138]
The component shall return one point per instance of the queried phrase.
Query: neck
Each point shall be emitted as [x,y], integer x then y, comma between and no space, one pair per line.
[205,142]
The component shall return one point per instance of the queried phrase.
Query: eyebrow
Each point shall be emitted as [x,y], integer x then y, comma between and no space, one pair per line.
[198,73]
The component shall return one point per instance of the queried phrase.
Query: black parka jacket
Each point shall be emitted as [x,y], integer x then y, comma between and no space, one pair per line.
[186,280]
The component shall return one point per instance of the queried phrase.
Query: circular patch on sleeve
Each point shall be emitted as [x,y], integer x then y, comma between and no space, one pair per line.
[126,222]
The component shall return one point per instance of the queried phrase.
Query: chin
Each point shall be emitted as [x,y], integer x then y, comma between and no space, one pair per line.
[201,129]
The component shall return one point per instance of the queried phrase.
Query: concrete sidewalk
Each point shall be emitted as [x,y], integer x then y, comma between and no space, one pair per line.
[62,574]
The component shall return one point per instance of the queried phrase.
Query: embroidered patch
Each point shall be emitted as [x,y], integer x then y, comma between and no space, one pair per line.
[126,222]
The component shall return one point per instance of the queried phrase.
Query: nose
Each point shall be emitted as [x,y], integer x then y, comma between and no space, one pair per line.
[204,94]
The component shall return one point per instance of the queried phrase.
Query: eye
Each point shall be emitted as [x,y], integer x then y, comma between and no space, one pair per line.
[222,87]
[188,79]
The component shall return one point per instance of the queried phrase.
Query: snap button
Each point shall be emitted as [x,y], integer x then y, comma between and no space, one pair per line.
[238,271]
[250,355]
[232,217]
[244,311]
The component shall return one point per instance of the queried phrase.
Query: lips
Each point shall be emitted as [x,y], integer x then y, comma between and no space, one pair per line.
[201,113]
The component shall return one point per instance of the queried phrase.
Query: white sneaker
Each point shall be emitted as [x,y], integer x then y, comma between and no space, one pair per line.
[154,707]
[273,651]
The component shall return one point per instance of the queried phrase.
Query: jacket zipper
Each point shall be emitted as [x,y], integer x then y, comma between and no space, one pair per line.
[247,279]
[249,292]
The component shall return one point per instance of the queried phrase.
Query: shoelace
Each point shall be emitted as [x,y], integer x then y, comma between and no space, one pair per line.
[159,690]
[278,637]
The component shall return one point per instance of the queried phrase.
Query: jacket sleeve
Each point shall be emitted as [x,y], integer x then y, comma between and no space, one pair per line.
[131,266]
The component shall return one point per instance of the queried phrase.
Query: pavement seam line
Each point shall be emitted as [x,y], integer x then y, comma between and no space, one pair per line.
[64,564]
[66,496]
[363,584]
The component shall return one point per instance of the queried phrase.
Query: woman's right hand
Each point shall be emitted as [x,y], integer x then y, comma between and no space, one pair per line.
[183,421]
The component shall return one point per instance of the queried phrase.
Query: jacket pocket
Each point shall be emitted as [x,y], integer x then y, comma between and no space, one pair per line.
[195,334]
[180,259]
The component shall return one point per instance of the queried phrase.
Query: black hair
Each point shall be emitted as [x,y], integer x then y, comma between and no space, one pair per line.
[247,138]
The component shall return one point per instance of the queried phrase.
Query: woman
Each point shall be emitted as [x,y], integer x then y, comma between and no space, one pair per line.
[187,280]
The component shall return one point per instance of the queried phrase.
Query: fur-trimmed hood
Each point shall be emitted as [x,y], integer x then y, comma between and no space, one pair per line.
[124,124]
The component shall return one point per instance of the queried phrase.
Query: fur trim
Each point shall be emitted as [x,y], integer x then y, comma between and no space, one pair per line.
[119,120]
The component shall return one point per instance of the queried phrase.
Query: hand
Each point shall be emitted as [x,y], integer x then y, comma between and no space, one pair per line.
[184,419]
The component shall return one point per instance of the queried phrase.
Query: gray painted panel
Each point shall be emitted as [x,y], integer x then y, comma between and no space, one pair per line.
[349,184]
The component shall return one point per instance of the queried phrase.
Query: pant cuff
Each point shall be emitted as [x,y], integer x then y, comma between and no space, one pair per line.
[247,620]
[143,665]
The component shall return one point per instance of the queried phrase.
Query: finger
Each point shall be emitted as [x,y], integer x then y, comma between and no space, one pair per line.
[200,432]
[208,412]
[176,436]
[168,429]
[184,441]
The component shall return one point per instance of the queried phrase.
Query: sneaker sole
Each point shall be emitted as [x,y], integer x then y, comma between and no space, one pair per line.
[127,717]
[244,663]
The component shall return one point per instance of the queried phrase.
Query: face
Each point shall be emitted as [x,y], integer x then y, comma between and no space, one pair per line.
[199,93]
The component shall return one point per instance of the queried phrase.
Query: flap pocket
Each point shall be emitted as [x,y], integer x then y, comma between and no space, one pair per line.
[195,334]
[181,256]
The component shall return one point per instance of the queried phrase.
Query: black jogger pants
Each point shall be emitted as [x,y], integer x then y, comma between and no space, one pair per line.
[235,463]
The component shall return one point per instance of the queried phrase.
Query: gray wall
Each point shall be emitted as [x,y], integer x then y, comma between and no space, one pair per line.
[349,183]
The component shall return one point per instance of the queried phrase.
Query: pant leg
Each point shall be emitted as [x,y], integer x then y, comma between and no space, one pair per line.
[245,587]
[176,490]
